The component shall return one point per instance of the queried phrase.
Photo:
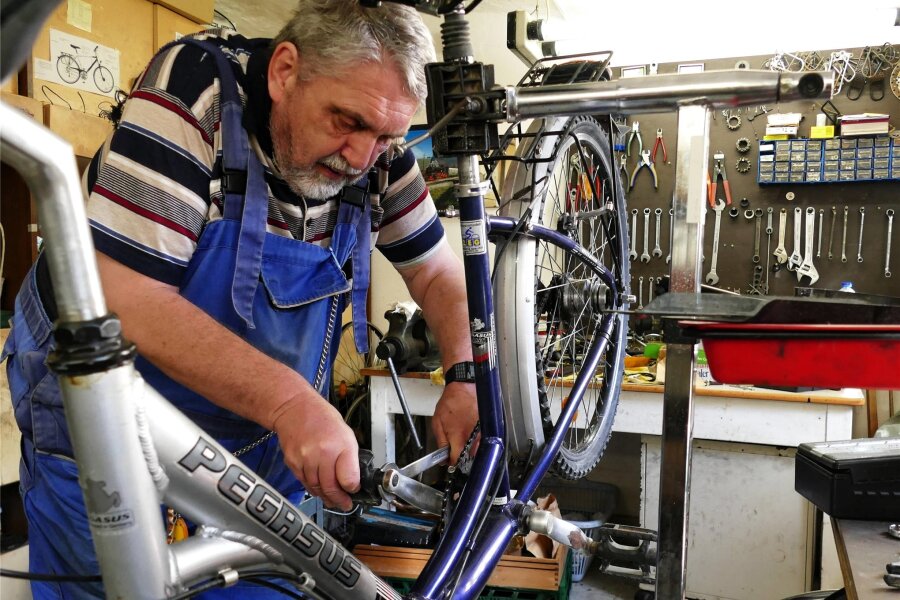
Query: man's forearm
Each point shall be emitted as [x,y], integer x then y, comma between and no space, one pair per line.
[198,352]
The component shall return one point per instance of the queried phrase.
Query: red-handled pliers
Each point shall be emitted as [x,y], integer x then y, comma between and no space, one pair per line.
[719,158]
[660,142]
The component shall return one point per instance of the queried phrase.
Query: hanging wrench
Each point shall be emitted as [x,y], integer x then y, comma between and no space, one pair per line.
[657,251]
[650,291]
[807,267]
[712,278]
[862,221]
[821,220]
[645,257]
[844,240]
[641,292]
[633,254]
[769,212]
[671,233]
[887,254]
[831,235]
[795,260]
[780,253]
[759,214]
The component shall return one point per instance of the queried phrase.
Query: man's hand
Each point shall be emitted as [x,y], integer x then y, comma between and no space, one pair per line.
[454,418]
[321,450]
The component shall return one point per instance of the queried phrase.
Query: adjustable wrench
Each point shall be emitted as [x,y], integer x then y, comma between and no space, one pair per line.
[712,278]
[657,251]
[780,253]
[633,253]
[671,234]
[887,253]
[645,257]
[795,260]
[844,239]
[821,220]
[831,235]
[759,214]
[807,267]
[862,221]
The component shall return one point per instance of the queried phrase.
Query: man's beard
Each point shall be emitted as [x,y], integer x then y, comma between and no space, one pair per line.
[304,180]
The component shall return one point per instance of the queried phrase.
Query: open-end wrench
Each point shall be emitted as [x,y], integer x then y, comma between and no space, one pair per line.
[831,235]
[807,269]
[795,259]
[759,214]
[641,291]
[862,222]
[768,246]
[657,251]
[650,291]
[645,257]
[671,234]
[633,253]
[887,253]
[844,237]
[712,278]
[821,220]
[780,253]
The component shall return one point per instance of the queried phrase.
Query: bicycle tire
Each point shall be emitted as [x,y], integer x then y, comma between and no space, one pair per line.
[539,288]
[67,68]
[105,82]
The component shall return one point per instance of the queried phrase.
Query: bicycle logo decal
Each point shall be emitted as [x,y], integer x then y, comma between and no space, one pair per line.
[473,237]
[106,518]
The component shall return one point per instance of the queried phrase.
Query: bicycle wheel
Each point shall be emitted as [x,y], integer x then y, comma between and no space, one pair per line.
[67,68]
[549,300]
[103,79]
[349,387]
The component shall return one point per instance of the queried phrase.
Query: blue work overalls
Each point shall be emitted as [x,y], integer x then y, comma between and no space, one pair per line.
[283,296]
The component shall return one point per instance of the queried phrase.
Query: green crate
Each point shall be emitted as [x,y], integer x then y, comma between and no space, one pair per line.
[404,586]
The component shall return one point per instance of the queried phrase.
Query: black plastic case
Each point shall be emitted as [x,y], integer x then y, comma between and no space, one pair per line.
[853,479]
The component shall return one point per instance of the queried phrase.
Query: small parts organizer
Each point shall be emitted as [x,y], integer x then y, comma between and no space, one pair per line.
[870,158]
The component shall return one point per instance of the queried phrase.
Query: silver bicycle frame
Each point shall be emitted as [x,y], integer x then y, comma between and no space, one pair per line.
[135,450]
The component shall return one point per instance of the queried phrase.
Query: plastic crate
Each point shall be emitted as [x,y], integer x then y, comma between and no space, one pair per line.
[581,561]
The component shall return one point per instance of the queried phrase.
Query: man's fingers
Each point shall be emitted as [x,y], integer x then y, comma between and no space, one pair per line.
[332,493]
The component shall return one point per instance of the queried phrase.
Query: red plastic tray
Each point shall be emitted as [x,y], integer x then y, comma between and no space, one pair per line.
[863,356]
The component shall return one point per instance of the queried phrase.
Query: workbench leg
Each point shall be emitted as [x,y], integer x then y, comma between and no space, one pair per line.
[688,202]
[383,430]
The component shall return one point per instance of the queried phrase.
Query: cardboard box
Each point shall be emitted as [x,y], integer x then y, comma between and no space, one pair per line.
[33,108]
[199,11]
[169,26]
[85,132]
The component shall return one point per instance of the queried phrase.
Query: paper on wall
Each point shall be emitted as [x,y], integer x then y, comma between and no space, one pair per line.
[83,51]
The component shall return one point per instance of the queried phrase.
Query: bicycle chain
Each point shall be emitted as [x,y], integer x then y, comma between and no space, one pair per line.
[451,479]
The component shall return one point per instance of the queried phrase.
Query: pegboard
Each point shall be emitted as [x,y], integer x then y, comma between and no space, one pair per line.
[735,266]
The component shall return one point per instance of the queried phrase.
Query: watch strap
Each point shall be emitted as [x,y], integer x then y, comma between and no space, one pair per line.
[463,372]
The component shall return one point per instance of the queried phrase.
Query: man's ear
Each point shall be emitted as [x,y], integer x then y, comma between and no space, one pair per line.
[284,69]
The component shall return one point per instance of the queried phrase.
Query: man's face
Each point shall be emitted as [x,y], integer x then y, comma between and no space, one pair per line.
[328,131]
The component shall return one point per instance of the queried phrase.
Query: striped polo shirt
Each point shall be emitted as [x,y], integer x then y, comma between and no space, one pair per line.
[156,182]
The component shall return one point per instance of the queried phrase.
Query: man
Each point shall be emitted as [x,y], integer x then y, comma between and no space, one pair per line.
[231,279]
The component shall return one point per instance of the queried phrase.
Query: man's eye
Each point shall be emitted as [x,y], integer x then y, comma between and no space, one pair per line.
[346,124]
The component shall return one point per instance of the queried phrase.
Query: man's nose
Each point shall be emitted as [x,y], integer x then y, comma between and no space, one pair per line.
[359,150]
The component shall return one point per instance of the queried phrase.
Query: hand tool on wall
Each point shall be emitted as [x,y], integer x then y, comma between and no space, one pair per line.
[719,171]
[821,220]
[657,251]
[635,133]
[712,278]
[781,255]
[632,254]
[644,162]
[645,257]
[769,212]
[844,237]
[759,214]
[889,213]
[807,269]
[795,259]
[659,143]
[862,222]
[831,235]
[641,292]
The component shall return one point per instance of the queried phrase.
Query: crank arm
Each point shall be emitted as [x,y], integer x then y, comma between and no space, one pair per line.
[397,485]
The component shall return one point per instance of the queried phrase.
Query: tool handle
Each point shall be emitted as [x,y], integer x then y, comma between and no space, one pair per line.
[727,187]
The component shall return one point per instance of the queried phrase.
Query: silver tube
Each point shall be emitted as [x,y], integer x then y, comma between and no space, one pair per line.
[121,498]
[662,93]
[47,164]
[206,553]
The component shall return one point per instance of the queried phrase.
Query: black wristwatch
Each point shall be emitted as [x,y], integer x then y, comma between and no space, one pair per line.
[463,372]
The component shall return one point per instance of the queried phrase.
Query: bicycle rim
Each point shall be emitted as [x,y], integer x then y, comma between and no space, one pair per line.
[349,386]
[550,301]
[103,79]
[67,67]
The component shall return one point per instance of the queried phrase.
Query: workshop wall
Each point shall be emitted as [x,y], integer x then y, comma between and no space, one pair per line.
[737,235]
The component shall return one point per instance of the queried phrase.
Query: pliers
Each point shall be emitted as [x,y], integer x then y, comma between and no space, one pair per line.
[635,133]
[660,142]
[645,162]
[719,158]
